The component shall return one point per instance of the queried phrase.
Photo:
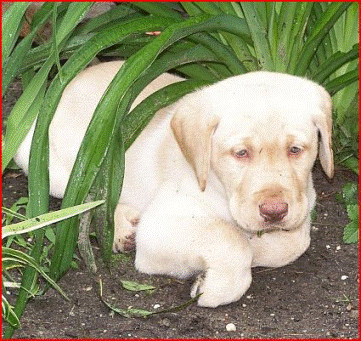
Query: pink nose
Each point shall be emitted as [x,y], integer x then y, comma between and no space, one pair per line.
[273,211]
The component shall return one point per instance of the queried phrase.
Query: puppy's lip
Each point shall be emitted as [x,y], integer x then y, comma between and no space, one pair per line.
[269,229]
[265,227]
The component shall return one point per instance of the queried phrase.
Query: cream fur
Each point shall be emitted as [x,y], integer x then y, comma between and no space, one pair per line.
[197,176]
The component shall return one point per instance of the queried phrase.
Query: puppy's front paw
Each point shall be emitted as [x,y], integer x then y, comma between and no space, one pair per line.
[219,287]
[125,220]
[200,287]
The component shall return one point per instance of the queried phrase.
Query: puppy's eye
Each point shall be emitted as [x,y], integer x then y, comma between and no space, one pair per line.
[294,151]
[241,154]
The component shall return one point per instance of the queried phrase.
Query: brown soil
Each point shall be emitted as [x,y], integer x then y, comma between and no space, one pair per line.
[307,299]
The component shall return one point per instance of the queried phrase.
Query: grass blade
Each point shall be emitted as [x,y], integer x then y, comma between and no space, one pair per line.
[13,64]
[259,36]
[100,131]
[341,82]
[158,9]
[114,14]
[20,117]
[46,219]
[8,313]
[15,135]
[11,25]
[140,116]
[330,16]
[18,256]
[108,185]
[335,62]
[75,13]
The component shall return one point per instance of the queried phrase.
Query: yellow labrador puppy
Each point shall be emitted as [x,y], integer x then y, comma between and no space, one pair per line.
[217,183]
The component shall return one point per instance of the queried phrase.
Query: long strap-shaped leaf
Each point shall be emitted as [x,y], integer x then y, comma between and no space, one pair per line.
[21,257]
[341,82]
[332,64]
[330,16]
[259,35]
[38,177]
[20,120]
[11,27]
[110,176]
[140,116]
[109,179]
[38,201]
[12,64]
[46,219]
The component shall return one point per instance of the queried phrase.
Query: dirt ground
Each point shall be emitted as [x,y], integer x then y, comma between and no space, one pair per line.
[315,297]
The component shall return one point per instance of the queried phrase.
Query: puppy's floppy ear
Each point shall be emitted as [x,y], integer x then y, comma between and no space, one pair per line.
[193,130]
[323,122]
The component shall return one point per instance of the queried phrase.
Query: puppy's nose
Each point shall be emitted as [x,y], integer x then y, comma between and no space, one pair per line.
[273,211]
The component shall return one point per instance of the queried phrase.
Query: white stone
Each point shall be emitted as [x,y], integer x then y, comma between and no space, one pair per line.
[230,327]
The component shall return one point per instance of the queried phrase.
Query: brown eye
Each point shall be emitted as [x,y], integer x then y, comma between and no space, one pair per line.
[241,154]
[294,151]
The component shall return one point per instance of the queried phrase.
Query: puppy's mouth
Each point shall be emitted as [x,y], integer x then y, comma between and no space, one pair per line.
[259,233]
[267,228]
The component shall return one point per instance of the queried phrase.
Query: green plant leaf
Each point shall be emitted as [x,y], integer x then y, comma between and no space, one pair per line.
[21,257]
[158,9]
[100,130]
[11,25]
[349,194]
[134,286]
[351,230]
[351,163]
[341,82]
[259,36]
[14,62]
[139,312]
[18,126]
[46,219]
[9,314]
[13,210]
[323,26]
[333,63]
[23,113]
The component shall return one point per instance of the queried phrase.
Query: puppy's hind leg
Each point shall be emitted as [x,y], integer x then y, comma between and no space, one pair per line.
[125,220]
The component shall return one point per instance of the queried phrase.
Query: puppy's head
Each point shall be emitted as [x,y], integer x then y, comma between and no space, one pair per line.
[258,133]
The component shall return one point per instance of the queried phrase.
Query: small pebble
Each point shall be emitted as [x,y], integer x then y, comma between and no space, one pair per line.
[338,248]
[230,327]
[328,246]
[344,277]
[156,306]
[165,322]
